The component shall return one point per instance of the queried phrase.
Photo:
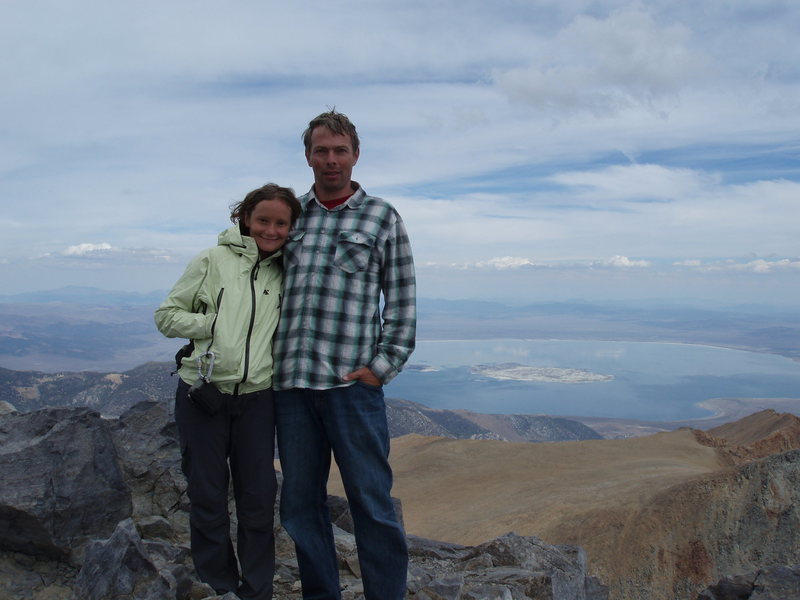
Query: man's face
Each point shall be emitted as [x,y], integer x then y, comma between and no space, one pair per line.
[332,158]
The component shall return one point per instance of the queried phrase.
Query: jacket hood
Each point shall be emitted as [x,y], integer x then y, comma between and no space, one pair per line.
[233,237]
[241,244]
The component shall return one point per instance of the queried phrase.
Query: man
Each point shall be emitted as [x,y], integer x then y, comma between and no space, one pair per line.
[335,349]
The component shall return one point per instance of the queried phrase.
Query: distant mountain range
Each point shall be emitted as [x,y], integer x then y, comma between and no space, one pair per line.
[78,328]
[90,296]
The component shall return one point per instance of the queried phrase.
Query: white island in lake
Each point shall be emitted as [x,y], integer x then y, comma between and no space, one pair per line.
[517,372]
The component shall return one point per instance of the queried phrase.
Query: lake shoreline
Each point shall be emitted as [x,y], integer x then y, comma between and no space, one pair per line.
[653,385]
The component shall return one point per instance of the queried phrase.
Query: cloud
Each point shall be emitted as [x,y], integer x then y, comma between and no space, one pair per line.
[506,262]
[757,266]
[105,253]
[606,65]
[766,266]
[689,262]
[500,263]
[638,182]
[87,249]
[622,262]
[511,263]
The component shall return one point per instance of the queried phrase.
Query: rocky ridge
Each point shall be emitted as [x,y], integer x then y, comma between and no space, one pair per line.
[94,508]
[660,517]
[411,417]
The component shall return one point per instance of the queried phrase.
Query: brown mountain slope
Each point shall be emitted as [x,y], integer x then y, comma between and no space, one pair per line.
[763,433]
[660,516]
[473,491]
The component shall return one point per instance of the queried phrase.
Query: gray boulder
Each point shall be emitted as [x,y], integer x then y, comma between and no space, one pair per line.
[148,452]
[510,567]
[777,582]
[120,567]
[61,482]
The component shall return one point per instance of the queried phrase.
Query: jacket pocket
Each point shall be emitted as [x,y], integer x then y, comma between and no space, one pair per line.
[353,250]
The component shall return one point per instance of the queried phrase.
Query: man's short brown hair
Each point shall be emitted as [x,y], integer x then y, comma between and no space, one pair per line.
[337,123]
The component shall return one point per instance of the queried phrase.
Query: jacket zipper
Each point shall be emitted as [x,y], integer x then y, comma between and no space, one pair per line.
[253,277]
[219,306]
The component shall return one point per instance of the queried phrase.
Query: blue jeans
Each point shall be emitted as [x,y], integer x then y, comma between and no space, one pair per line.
[351,422]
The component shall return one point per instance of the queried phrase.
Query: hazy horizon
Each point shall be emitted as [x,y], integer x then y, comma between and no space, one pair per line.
[113,296]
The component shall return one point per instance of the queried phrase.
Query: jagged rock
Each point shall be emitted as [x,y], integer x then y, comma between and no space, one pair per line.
[6,407]
[731,521]
[156,527]
[777,582]
[148,450]
[122,568]
[26,576]
[566,564]
[509,567]
[61,482]
[513,567]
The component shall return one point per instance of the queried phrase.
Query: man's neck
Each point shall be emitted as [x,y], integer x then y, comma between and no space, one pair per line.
[331,204]
[335,198]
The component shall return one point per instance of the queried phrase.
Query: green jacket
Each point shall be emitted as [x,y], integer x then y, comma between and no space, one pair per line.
[227,301]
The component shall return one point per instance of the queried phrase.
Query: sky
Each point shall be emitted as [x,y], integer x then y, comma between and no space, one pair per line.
[536,150]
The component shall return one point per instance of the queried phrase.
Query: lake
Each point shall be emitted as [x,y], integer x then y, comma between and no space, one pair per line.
[650,381]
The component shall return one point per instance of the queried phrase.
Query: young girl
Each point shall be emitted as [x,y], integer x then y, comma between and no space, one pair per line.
[228,302]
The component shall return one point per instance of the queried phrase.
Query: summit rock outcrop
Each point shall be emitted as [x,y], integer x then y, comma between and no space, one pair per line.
[93,508]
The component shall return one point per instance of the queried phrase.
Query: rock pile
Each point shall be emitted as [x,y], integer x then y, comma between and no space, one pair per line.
[94,508]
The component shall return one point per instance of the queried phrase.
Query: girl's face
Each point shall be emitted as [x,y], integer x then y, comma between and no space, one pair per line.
[269,225]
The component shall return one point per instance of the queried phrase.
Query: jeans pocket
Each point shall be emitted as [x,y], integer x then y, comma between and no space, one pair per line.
[368,386]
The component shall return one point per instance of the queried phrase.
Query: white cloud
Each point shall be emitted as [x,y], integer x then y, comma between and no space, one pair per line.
[86,249]
[104,252]
[637,182]
[511,263]
[622,262]
[506,262]
[607,65]
[767,266]
[757,266]
[689,262]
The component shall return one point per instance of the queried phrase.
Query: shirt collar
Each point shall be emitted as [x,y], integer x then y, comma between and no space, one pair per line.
[354,201]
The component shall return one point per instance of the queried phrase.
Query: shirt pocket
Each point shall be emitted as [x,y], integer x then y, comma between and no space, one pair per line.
[353,250]
[293,249]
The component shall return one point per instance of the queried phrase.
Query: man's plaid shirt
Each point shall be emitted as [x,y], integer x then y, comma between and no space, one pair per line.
[337,263]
